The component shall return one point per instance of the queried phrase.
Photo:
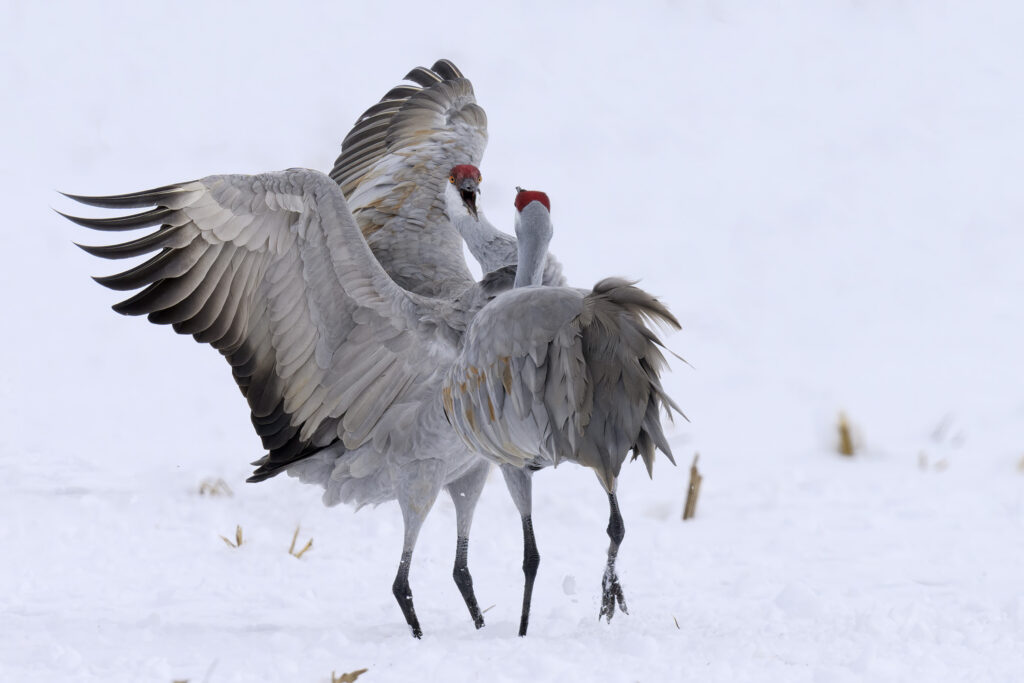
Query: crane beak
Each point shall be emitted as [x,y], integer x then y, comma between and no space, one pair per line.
[468,191]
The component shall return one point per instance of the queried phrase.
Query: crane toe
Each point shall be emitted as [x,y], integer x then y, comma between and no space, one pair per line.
[611,595]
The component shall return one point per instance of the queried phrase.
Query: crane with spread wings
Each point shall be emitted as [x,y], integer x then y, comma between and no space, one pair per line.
[341,304]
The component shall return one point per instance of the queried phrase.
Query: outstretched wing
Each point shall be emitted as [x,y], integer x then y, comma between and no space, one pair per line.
[563,374]
[272,271]
[395,161]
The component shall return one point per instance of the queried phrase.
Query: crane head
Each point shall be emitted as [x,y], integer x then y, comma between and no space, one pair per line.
[465,180]
[525,197]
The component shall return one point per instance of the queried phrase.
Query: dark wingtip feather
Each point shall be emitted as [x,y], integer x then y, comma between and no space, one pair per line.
[75,219]
[142,274]
[280,459]
[143,245]
[400,92]
[132,200]
[261,473]
[90,249]
[135,305]
[423,76]
[132,222]
[447,70]
[120,281]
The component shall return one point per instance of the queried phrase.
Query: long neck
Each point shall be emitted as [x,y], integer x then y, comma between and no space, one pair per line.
[533,228]
[491,247]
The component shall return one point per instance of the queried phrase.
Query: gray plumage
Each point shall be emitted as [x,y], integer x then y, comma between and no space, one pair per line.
[553,373]
[270,270]
[340,366]
[361,421]
[393,169]
[340,328]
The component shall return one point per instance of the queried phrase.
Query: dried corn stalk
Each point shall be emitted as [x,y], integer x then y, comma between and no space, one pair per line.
[690,507]
[845,437]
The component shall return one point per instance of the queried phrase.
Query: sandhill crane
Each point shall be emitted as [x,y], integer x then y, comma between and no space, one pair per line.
[341,367]
[393,168]
[338,363]
[554,373]
[388,170]
[392,172]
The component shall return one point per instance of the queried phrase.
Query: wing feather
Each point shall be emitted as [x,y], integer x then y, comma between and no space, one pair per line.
[394,164]
[272,270]
[579,378]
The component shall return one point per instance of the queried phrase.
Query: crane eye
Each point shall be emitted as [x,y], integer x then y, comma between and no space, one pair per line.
[451,179]
[479,178]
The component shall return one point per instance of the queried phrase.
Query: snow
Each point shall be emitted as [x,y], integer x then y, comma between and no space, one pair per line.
[827,195]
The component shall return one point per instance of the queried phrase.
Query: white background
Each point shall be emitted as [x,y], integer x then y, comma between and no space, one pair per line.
[827,194]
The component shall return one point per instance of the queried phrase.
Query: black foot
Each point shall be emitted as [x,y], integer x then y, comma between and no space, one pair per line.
[531,560]
[403,594]
[410,615]
[611,594]
[464,581]
[610,586]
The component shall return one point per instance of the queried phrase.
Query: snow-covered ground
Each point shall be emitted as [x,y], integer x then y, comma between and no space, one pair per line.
[828,194]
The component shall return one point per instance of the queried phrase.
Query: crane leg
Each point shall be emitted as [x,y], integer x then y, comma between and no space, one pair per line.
[520,486]
[610,586]
[418,487]
[465,493]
